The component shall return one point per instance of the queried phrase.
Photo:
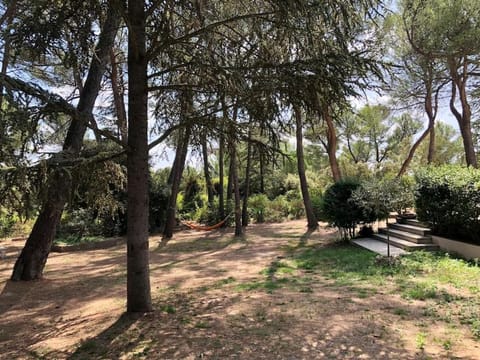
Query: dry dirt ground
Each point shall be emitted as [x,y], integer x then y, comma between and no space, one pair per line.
[208,307]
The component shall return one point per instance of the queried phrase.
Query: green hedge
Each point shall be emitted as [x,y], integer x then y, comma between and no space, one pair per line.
[448,199]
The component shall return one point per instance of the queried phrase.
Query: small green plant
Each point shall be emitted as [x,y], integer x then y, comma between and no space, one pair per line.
[420,340]
[475,328]
[447,344]
[202,325]
[169,309]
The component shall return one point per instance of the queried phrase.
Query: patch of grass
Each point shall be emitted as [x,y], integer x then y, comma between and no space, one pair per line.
[420,291]
[225,281]
[470,315]
[278,267]
[431,311]
[400,312]
[344,263]
[218,284]
[444,269]
[267,285]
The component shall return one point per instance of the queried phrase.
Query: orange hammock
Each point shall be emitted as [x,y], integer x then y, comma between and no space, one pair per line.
[194,226]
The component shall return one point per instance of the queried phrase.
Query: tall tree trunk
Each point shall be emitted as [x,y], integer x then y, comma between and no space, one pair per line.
[174,181]
[262,172]
[311,219]
[206,170]
[32,259]
[459,82]
[138,274]
[8,17]
[247,182]
[236,188]
[230,180]
[118,89]
[431,145]
[221,199]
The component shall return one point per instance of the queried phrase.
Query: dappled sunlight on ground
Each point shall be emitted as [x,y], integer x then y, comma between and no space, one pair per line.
[218,297]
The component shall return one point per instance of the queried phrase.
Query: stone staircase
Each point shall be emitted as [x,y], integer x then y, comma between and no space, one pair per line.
[409,235]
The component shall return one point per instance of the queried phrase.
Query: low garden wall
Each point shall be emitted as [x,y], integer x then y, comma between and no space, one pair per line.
[465,250]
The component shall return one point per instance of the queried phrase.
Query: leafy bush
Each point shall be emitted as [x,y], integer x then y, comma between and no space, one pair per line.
[78,223]
[316,198]
[257,205]
[296,208]
[192,195]
[278,209]
[340,210]
[379,197]
[7,222]
[448,199]
[159,193]
[208,214]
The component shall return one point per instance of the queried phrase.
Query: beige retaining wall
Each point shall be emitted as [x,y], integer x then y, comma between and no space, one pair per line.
[465,250]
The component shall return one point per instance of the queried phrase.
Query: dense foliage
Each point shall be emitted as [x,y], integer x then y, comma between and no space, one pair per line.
[379,197]
[448,199]
[340,209]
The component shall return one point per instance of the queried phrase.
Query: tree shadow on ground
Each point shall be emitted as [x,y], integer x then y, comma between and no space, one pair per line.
[98,346]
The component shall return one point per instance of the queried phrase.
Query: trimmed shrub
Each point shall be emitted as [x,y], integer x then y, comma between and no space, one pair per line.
[448,199]
[339,209]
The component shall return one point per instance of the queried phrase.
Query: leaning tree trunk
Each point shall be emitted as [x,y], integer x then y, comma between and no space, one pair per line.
[247,182]
[32,259]
[138,274]
[431,110]
[311,219]
[331,144]
[176,178]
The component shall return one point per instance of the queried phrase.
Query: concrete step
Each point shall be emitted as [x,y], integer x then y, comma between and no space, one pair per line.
[405,244]
[378,246]
[418,239]
[415,222]
[410,228]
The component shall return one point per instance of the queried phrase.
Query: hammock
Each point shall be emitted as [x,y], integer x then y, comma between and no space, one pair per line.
[193,226]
